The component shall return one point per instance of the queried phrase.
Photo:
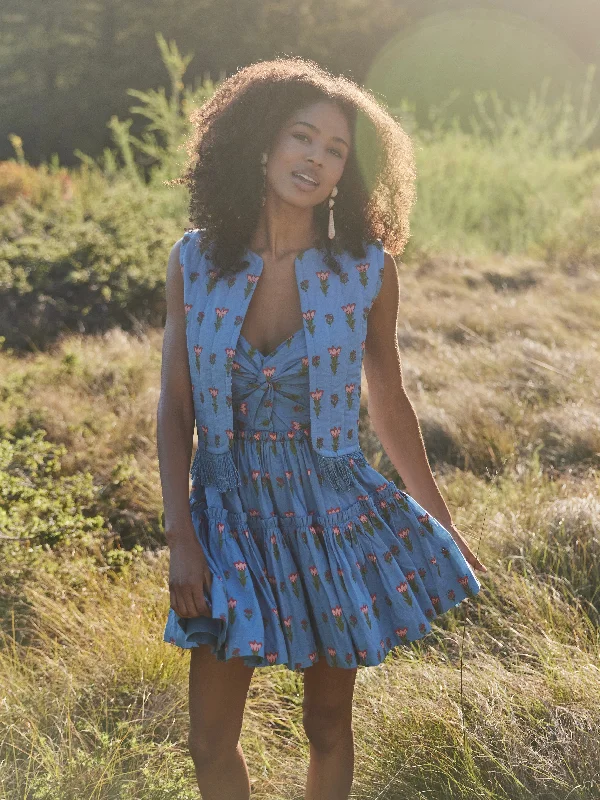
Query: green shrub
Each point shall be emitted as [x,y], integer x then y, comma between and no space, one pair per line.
[43,511]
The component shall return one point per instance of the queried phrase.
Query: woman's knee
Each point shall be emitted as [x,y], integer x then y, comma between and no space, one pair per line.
[210,746]
[326,725]
[216,705]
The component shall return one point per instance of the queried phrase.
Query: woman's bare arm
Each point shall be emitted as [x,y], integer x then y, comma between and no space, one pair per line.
[390,410]
[175,415]
[190,578]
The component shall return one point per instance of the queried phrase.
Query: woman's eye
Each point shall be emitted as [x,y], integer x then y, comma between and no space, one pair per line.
[337,152]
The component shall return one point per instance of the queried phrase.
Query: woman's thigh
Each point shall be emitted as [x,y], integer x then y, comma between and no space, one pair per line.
[327,703]
[217,698]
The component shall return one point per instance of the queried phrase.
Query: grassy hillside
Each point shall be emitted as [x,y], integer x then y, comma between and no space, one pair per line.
[500,343]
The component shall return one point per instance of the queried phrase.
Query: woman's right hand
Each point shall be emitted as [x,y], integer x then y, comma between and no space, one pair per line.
[189,574]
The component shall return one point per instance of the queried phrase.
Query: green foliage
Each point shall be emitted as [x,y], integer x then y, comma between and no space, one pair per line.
[72,268]
[157,156]
[518,182]
[40,504]
[42,511]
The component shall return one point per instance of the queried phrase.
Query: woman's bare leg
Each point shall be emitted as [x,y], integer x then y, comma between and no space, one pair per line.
[218,691]
[327,717]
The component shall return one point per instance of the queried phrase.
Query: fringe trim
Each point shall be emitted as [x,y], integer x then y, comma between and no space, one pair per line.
[215,469]
[336,469]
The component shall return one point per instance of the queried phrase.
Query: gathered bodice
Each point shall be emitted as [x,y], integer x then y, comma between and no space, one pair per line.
[271,392]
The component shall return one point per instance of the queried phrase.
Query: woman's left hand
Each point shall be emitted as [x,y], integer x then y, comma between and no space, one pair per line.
[464,548]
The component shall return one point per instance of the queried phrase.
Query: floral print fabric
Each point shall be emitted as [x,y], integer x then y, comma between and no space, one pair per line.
[301,571]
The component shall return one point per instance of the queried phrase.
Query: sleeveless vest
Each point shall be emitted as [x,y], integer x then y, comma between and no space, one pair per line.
[334,312]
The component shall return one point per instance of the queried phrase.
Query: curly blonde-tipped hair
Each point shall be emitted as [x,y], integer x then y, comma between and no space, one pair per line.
[242,119]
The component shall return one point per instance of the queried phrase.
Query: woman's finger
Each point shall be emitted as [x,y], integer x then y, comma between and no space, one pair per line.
[181,606]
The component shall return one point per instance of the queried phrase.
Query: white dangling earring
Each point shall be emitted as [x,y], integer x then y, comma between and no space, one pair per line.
[263,160]
[331,231]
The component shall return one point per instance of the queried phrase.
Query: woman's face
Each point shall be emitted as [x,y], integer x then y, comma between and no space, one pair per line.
[314,140]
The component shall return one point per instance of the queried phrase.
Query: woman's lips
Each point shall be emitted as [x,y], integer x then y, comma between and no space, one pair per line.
[302,184]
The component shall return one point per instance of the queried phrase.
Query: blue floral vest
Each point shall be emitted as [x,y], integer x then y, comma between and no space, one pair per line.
[334,311]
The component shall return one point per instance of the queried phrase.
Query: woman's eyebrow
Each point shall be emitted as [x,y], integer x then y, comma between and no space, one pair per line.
[314,128]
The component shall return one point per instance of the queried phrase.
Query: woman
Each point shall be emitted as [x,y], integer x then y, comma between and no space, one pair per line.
[291,548]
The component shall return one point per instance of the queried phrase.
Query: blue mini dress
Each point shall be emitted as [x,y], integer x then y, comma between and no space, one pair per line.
[301,571]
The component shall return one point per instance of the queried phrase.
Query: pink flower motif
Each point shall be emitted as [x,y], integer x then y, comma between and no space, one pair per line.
[349,388]
[348,309]
[322,276]
[402,587]
[240,565]
[252,278]
[317,394]
[268,372]
[335,432]
[197,349]
[334,351]
[332,651]
[313,571]
[255,646]
[336,611]
[221,312]
[213,391]
[232,602]
[308,315]
[362,267]
[272,657]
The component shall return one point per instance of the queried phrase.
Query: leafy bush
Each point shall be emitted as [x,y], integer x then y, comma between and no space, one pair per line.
[42,510]
[80,272]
